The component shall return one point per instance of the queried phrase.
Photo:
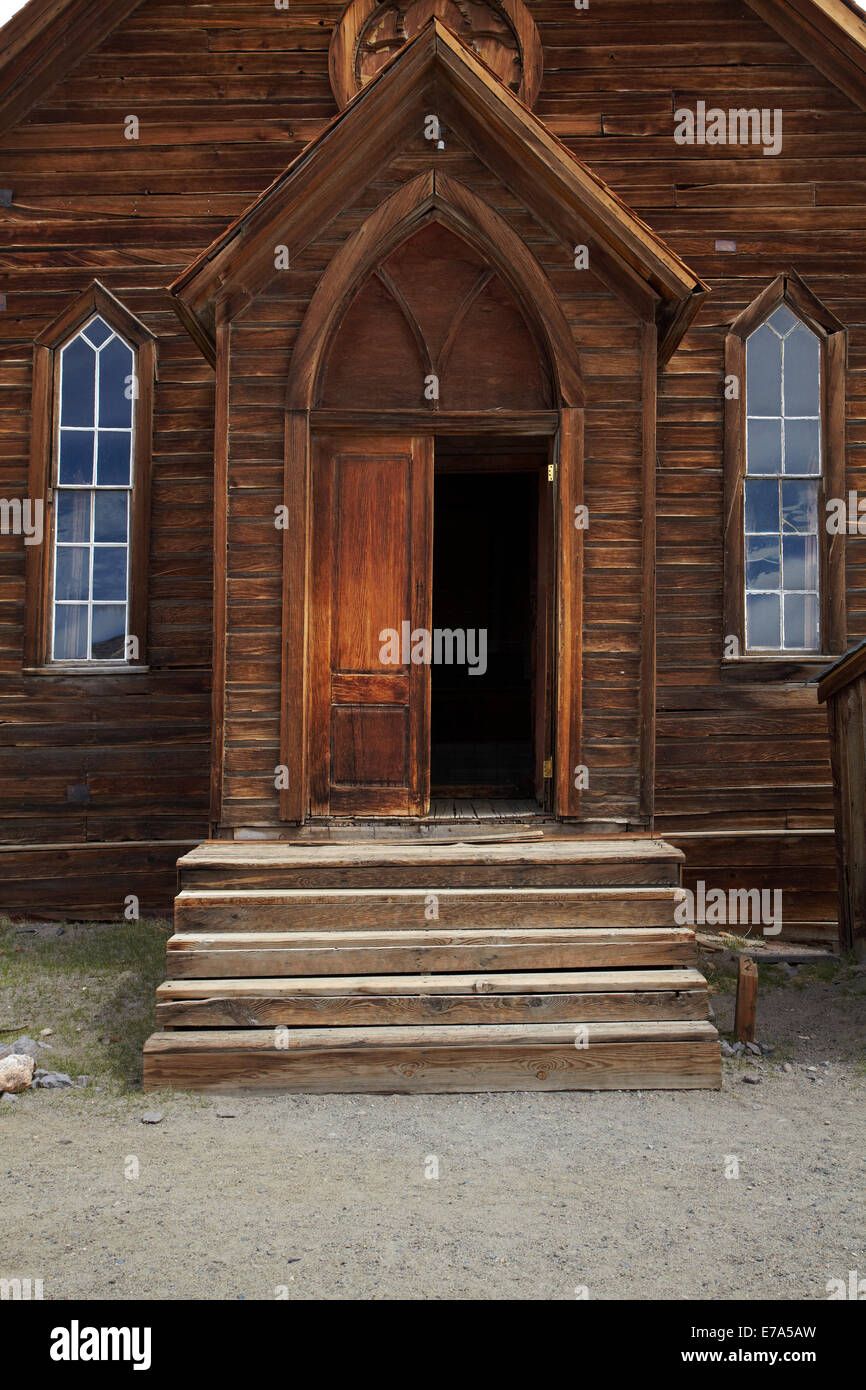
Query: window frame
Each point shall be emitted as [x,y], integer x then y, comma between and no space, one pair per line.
[790,290]
[45,435]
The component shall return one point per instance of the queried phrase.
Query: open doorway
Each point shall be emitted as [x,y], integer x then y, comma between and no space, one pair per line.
[488,713]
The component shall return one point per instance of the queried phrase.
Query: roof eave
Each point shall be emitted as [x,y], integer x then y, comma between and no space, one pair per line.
[829,34]
[42,44]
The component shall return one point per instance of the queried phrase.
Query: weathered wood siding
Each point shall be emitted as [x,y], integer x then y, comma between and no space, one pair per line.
[226,94]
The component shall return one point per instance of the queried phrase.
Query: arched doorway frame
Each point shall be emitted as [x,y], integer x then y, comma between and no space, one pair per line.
[433,197]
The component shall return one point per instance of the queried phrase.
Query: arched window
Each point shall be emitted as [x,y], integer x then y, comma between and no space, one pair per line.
[95,471]
[90,462]
[783,473]
[784,445]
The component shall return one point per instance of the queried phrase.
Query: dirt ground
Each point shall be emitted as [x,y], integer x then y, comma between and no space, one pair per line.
[618,1194]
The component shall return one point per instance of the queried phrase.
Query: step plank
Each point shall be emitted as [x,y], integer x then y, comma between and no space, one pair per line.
[668,1056]
[587,981]
[528,1034]
[551,997]
[559,849]
[433,877]
[248,954]
[219,1010]
[350,909]
[558,861]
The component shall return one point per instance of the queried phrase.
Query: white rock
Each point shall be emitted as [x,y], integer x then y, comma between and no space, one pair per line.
[16,1072]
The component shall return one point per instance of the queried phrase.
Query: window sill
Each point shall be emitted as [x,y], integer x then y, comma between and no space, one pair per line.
[85,668]
[790,668]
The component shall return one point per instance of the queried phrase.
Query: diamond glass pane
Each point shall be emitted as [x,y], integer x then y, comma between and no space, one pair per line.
[77,384]
[764,373]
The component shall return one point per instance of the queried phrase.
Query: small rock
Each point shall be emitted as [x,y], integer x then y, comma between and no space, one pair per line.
[727,1050]
[45,1032]
[82,1081]
[786,1066]
[16,1072]
[751,1078]
[54,1081]
[739,1048]
[226,1115]
[767,1048]
[811,1068]
[152,1117]
[754,1049]
[8,1097]
[29,1046]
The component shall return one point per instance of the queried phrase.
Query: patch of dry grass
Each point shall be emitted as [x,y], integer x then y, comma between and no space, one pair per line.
[92,984]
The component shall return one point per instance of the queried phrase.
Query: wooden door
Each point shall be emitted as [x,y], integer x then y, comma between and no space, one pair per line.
[372,560]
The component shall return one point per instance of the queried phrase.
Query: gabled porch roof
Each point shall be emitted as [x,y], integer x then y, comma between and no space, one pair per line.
[438,74]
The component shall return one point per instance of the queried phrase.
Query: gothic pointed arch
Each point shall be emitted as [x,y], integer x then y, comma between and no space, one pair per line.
[499,278]
[94,368]
[784,564]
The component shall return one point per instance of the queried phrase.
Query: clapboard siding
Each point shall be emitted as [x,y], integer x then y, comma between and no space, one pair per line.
[227,94]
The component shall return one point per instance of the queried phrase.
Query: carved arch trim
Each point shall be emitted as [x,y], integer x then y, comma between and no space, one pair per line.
[434,197]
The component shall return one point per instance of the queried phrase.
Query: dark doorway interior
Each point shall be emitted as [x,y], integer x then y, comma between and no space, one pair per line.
[485,566]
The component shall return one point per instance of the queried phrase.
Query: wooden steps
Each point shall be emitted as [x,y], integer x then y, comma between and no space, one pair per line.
[383,966]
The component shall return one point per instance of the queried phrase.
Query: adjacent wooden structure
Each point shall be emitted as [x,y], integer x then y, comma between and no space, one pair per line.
[843,688]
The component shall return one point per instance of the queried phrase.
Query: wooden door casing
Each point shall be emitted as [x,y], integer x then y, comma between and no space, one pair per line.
[372,555]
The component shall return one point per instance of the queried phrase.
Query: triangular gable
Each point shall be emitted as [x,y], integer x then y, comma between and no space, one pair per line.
[437,73]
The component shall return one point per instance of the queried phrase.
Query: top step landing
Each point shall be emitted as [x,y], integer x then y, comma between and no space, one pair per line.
[560,861]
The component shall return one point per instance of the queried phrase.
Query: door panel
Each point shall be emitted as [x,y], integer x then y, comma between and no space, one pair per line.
[371,572]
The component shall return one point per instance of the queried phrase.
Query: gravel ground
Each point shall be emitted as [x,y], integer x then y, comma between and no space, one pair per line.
[623,1194]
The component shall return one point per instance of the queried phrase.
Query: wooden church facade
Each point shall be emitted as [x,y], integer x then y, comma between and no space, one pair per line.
[465,363]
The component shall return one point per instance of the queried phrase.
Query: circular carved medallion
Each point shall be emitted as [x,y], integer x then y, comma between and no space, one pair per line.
[501,32]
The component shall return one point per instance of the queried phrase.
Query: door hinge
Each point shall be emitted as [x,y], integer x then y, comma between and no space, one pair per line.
[547,769]
[551,472]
